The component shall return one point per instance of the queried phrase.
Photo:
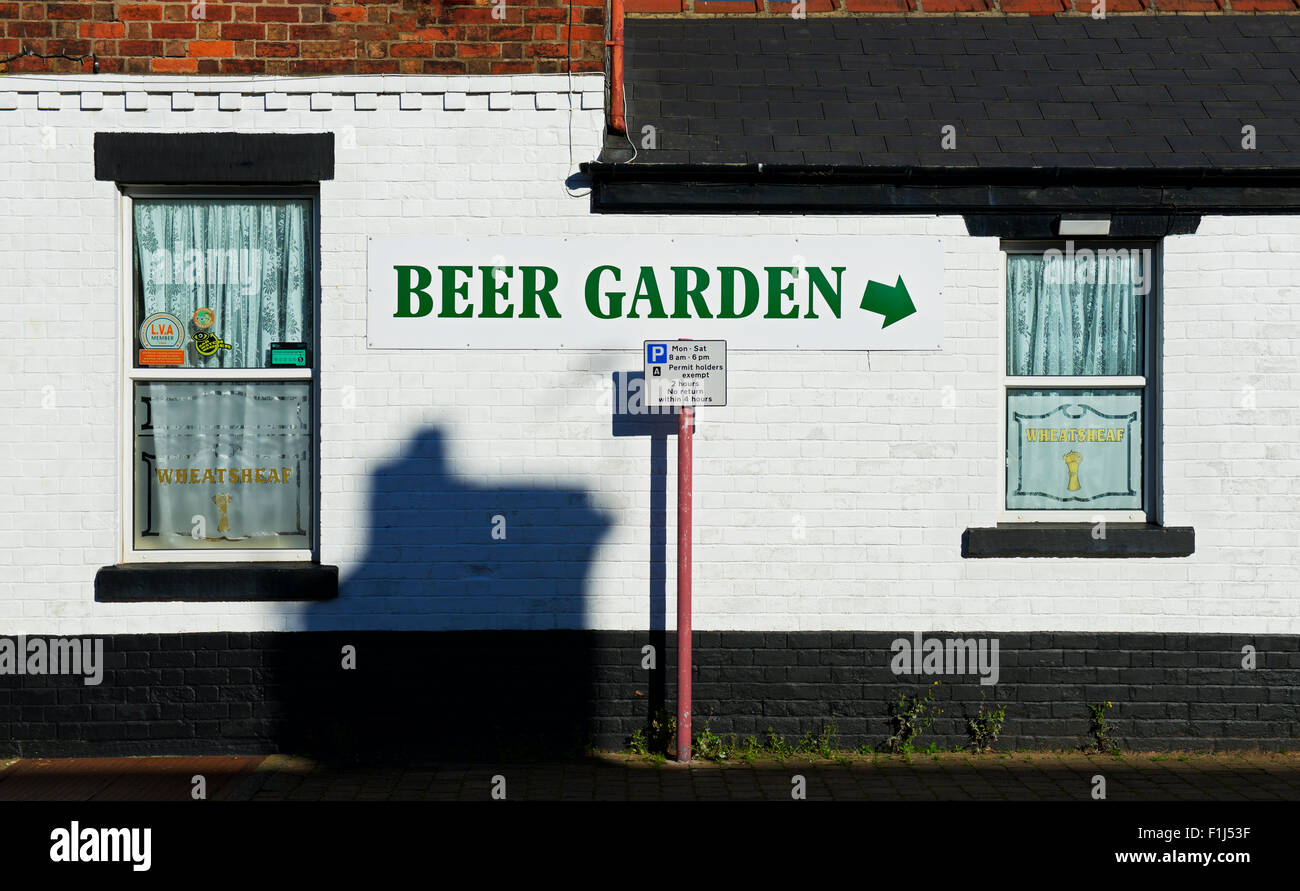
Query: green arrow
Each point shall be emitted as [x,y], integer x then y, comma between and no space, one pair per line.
[892,303]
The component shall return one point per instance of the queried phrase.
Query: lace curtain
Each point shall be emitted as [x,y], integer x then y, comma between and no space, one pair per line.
[223,464]
[1074,314]
[249,261]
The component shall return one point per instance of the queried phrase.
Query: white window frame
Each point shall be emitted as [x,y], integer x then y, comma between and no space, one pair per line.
[130,375]
[1148,382]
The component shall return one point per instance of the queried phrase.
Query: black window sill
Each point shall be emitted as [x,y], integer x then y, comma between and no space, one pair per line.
[208,582]
[1076,540]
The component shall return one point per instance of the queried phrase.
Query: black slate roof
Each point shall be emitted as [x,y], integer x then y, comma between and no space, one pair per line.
[1124,92]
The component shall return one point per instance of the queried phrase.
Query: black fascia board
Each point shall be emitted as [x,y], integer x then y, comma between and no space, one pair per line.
[788,188]
[196,158]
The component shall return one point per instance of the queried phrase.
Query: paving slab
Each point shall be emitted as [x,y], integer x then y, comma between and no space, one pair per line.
[1038,776]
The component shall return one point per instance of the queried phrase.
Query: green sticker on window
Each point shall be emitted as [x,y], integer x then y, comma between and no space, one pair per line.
[290,354]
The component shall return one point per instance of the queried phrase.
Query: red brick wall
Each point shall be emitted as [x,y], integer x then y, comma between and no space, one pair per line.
[297,37]
[948,7]
[417,36]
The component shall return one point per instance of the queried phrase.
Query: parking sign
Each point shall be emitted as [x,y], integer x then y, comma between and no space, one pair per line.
[686,372]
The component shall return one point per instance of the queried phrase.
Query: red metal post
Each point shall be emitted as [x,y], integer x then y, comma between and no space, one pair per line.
[685,487]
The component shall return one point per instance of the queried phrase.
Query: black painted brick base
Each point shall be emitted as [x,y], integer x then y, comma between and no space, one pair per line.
[500,693]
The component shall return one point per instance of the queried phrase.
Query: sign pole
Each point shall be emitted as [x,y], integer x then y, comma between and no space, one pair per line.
[685,373]
[685,457]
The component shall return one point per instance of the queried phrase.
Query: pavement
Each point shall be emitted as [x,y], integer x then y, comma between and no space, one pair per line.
[1011,776]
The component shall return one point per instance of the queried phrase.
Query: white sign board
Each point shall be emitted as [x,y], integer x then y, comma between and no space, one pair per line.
[685,372]
[600,292]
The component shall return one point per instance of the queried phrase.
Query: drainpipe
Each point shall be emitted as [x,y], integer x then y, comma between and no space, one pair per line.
[615,44]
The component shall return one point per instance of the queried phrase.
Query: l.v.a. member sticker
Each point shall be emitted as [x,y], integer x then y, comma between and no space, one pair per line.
[161,331]
[161,336]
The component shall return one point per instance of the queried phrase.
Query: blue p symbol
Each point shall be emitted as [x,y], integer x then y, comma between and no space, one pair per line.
[656,353]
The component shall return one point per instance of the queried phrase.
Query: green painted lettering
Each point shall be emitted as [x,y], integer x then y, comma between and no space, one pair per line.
[451,290]
[593,295]
[682,290]
[492,288]
[817,281]
[776,290]
[647,289]
[728,310]
[423,278]
[533,293]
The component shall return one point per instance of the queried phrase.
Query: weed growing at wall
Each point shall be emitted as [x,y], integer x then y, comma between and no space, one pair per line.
[656,738]
[985,727]
[712,747]
[912,716]
[1101,730]
[821,744]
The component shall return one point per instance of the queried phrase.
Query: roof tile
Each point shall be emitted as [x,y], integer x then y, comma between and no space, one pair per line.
[1126,91]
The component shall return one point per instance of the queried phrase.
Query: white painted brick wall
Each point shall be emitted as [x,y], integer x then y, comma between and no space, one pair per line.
[859,451]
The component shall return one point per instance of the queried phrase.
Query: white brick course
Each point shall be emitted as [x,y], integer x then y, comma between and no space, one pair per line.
[831,493]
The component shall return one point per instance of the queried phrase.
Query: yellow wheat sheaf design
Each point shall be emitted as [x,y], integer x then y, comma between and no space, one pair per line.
[1072,460]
